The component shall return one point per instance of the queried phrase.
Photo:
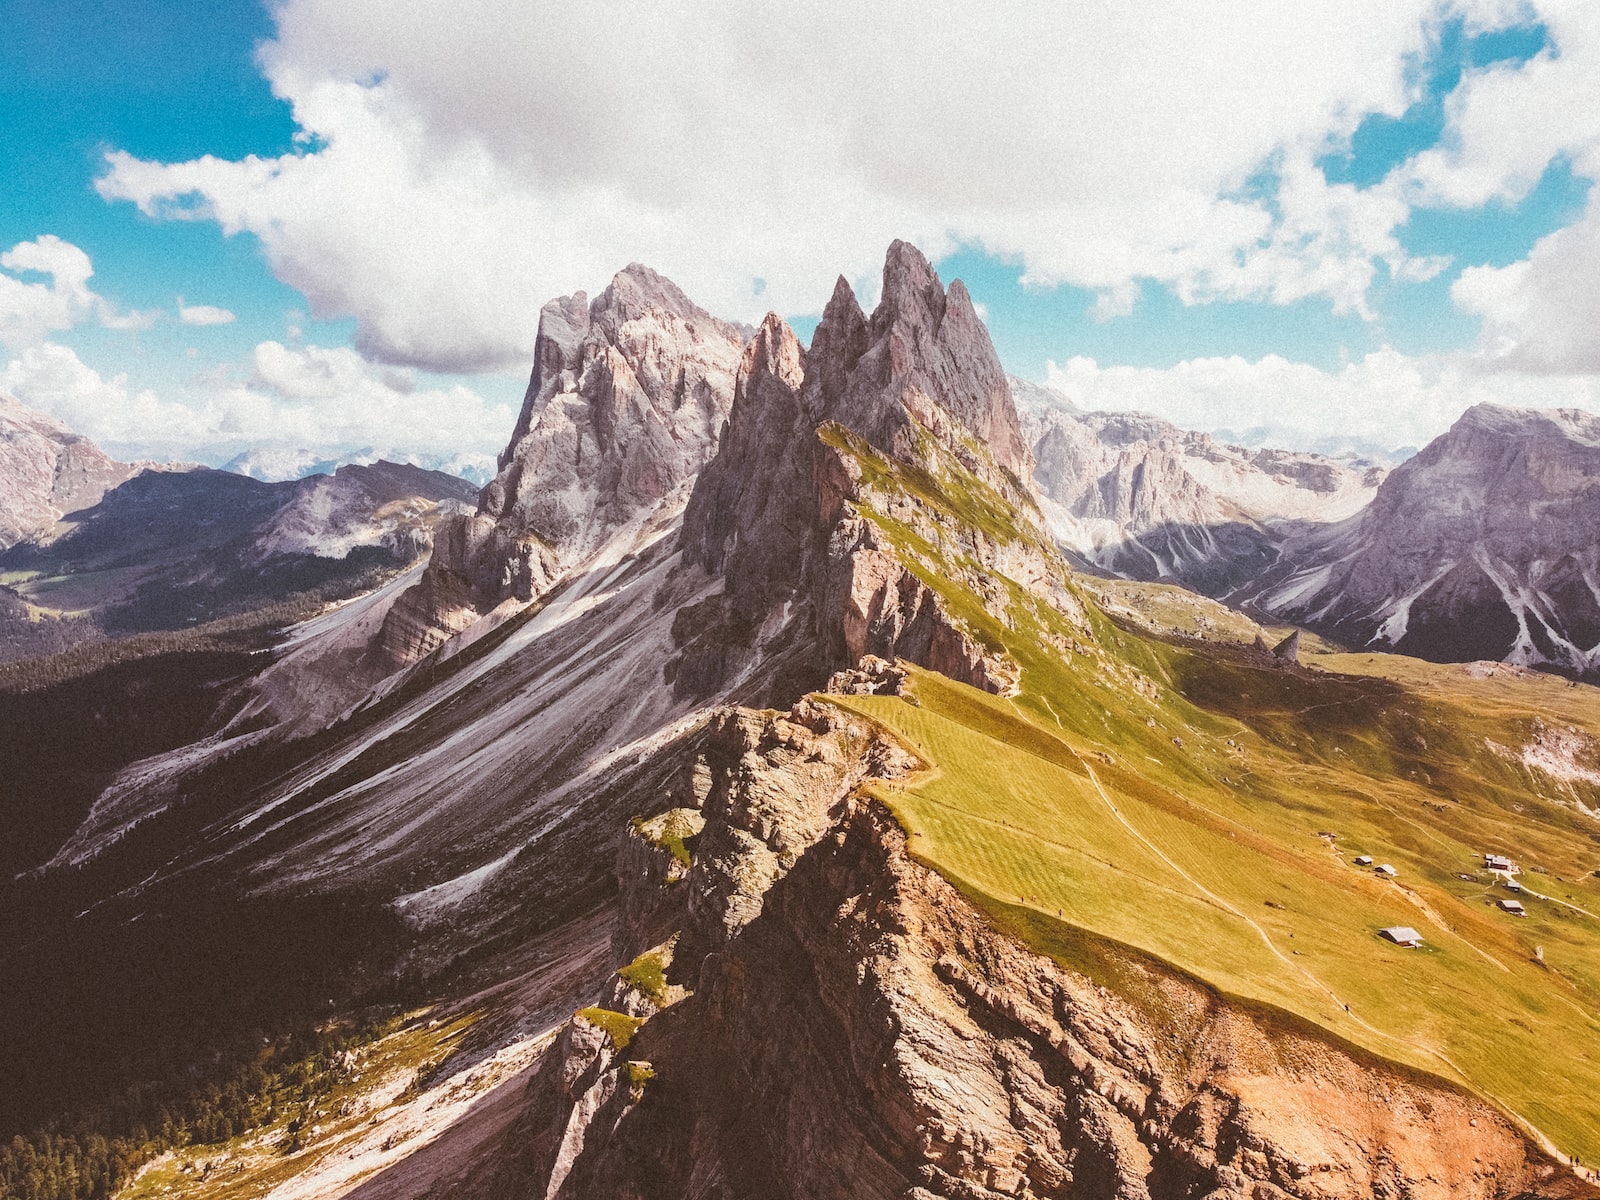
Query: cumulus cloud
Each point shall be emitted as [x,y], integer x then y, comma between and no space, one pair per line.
[1543,313]
[462,165]
[1385,401]
[32,308]
[203,314]
[286,398]
[1506,125]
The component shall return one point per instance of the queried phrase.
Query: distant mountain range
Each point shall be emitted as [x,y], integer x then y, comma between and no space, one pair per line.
[277,465]
[1485,545]
[1481,546]
[1136,496]
[137,546]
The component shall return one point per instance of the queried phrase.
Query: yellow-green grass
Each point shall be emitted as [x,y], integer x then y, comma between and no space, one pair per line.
[619,1027]
[1170,797]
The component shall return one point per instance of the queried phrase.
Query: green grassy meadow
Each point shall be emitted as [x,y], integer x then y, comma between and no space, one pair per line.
[1178,797]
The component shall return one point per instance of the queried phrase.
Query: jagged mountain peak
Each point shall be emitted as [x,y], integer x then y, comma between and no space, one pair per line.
[776,350]
[623,408]
[1481,546]
[923,358]
[911,288]
[46,472]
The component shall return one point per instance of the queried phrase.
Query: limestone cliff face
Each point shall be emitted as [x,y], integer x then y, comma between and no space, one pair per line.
[857,1029]
[623,409]
[46,472]
[779,512]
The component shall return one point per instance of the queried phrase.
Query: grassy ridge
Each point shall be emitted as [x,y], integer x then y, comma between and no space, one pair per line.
[1171,797]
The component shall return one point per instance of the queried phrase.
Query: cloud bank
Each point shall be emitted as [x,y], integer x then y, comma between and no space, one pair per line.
[286,398]
[458,167]
[461,166]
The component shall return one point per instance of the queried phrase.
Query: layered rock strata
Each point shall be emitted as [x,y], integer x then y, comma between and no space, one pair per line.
[46,472]
[1132,495]
[821,445]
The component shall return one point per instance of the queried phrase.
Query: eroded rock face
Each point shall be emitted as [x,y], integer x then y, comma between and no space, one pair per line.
[1482,546]
[627,396]
[46,472]
[778,513]
[858,1030]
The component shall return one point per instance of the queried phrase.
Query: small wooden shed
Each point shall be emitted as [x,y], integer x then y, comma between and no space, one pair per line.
[1402,935]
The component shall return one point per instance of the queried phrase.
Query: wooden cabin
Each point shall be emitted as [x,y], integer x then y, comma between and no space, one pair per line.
[1402,935]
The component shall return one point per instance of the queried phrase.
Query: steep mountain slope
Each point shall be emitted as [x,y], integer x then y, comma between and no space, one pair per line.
[46,472]
[170,547]
[1046,906]
[1480,547]
[622,410]
[1135,496]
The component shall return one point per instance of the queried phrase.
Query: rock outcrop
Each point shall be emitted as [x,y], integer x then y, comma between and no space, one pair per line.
[856,1029]
[1133,495]
[46,472]
[1480,547]
[623,409]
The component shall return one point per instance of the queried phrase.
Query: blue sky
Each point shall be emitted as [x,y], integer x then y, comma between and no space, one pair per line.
[219,153]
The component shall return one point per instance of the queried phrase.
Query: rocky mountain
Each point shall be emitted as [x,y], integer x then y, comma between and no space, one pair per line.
[47,472]
[623,408]
[166,548]
[1482,546]
[811,436]
[782,820]
[1135,496]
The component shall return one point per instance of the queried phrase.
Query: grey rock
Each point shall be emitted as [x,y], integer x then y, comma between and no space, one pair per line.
[623,409]
[1135,496]
[776,513]
[47,472]
[1481,547]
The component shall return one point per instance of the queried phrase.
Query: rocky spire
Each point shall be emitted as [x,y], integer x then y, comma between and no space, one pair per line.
[775,513]
[756,494]
[923,357]
[622,411]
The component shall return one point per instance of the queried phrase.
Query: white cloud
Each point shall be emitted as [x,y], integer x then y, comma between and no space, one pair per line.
[1386,400]
[288,398]
[1507,122]
[1543,313]
[203,314]
[31,309]
[464,164]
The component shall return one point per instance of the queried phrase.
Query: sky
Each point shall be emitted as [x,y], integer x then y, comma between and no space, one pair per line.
[329,225]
